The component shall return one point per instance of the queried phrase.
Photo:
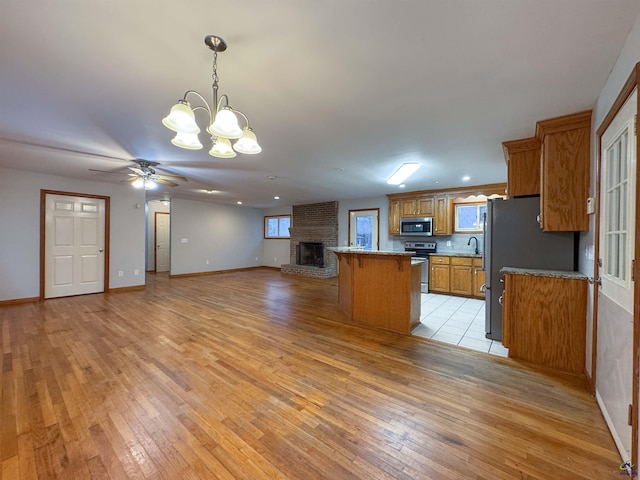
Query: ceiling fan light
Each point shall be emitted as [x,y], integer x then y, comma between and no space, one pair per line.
[181,118]
[222,148]
[248,143]
[138,183]
[190,141]
[149,184]
[225,124]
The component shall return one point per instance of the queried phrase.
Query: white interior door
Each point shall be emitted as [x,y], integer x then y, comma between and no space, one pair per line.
[74,245]
[614,375]
[163,245]
[363,229]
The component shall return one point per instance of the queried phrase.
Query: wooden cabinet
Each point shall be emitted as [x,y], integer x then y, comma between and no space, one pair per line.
[523,166]
[456,275]
[564,172]
[461,275]
[417,207]
[394,217]
[478,278]
[439,277]
[544,319]
[442,224]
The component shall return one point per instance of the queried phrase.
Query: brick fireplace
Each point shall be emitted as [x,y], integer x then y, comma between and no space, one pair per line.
[314,223]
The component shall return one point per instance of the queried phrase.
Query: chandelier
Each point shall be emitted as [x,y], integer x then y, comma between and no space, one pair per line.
[223,119]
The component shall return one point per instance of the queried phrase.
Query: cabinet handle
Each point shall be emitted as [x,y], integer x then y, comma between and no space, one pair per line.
[483,287]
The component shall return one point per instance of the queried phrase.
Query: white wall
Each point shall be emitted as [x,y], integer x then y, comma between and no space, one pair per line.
[276,251]
[228,237]
[153,206]
[628,57]
[20,230]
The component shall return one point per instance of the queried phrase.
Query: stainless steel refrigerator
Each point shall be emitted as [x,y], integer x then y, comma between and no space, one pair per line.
[513,238]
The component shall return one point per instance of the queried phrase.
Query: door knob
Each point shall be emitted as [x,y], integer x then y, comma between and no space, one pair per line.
[101,250]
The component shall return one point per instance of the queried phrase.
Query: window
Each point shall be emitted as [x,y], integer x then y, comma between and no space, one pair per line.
[277,226]
[469,217]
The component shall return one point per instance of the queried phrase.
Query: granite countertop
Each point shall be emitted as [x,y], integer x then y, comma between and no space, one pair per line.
[369,252]
[456,254]
[535,272]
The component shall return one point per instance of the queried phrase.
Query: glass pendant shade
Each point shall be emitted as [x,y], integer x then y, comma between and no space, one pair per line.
[190,141]
[138,183]
[149,184]
[222,148]
[181,119]
[247,143]
[225,125]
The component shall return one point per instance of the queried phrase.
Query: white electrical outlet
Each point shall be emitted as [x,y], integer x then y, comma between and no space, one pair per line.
[120,273]
[206,261]
[184,240]
[275,259]
[136,272]
[256,259]
[448,243]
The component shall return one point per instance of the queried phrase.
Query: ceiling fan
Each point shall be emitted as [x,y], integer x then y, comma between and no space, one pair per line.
[145,176]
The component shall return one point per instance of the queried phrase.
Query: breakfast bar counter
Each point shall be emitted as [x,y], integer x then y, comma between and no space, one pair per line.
[379,289]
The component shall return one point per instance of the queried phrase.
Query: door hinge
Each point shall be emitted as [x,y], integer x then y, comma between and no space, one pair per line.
[600,262]
[630,415]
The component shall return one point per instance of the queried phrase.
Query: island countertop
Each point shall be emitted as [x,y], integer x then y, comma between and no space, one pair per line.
[534,272]
[369,252]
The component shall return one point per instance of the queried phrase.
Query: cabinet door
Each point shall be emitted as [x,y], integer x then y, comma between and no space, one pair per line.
[461,279]
[425,207]
[565,172]
[442,219]
[408,208]
[523,166]
[394,217]
[479,278]
[439,278]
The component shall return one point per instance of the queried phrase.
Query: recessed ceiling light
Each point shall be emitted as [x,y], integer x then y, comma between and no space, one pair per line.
[403,172]
[276,198]
[209,191]
[402,185]
[239,202]
[466,178]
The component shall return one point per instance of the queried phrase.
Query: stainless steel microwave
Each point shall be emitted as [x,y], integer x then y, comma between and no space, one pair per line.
[416,226]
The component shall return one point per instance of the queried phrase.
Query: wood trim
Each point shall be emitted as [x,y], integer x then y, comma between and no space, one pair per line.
[563,123]
[521,145]
[488,189]
[362,210]
[18,301]
[107,231]
[630,85]
[217,272]
[132,288]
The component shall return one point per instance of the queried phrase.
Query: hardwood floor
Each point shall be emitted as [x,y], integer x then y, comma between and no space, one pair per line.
[248,375]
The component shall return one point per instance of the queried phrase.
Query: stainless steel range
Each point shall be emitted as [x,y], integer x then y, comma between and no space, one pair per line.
[422,250]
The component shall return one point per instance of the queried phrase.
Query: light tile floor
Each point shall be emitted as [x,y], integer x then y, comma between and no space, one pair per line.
[456,320]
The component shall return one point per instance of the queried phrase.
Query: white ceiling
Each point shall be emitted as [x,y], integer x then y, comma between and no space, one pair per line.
[339,92]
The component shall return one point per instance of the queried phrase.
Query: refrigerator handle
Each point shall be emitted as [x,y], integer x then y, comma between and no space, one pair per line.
[484,240]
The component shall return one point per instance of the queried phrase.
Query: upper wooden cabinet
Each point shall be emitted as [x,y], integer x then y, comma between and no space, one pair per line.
[523,166]
[564,172]
[442,219]
[416,207]
[394,217]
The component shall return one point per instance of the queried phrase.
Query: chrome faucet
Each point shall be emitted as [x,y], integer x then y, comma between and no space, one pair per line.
[469,243]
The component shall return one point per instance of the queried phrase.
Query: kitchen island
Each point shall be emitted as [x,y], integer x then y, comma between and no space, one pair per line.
[379,289]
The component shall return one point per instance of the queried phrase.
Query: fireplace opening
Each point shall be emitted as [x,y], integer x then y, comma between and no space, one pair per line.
[310,253]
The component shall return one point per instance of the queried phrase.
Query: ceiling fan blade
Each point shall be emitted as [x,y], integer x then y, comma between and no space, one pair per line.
[168,183]
[105,171]
[174,177]
[137,170]
[130,180]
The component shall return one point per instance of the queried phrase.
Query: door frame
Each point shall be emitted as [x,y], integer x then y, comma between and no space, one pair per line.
[43,213]
[155,239]
[362,210]
[632,83]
